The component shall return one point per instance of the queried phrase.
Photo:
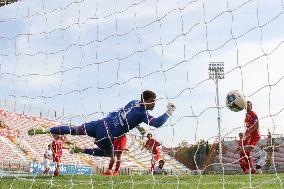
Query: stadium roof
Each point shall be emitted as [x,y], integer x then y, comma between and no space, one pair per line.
[6,2]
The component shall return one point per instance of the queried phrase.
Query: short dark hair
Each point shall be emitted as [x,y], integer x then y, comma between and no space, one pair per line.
[162,161]
[249,102]
[149,134]
[147,95]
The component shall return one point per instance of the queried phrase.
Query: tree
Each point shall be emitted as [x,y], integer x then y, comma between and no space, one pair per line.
[193,156]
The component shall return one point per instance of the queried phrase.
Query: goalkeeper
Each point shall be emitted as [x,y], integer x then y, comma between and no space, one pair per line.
[117,123]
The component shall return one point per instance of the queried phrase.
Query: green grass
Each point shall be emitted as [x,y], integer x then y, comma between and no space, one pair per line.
[263,181]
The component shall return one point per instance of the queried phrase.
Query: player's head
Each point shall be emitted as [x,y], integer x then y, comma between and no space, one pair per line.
[149,135]
[148,98]
[262,147]
[161,163]
[249,105]
[49,146]
[56,136]
[241,135]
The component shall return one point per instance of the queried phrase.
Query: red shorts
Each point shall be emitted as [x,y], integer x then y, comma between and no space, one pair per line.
[253,140]
[57,159]
[119,143]
[156,156]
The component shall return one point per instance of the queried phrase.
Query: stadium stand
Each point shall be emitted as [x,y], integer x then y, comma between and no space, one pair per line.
[230,160]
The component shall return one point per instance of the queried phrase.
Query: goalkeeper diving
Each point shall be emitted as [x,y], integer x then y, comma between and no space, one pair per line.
[116,124]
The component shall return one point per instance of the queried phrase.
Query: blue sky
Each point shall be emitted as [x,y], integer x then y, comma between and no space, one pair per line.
[89,58]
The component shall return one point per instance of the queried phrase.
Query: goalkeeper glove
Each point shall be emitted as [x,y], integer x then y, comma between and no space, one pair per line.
[170,108]
[141,130]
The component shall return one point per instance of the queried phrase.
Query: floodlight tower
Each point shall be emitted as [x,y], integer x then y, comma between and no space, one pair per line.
[216,72]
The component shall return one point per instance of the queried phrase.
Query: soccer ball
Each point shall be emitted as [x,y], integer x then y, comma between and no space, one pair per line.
[235,101]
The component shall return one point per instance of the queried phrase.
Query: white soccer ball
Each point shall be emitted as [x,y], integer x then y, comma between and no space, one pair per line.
[235,101]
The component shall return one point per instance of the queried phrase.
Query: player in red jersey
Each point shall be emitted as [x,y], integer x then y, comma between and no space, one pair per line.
[119,145]
[243,161]
[252,136]
[57,146]
[152,145]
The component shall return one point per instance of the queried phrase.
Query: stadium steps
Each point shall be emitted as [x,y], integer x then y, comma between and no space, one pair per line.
[144,157]
[10,152]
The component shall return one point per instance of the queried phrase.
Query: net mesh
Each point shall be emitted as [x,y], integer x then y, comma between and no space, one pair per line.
[72,62]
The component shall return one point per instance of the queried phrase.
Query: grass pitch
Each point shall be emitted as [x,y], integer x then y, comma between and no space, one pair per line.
[263,181]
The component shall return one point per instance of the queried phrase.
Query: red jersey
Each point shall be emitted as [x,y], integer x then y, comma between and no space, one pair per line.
[152,145]
[250,120]
[57,146]
[242,143]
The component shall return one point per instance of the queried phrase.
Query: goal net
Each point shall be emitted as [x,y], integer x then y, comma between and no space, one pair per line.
[71,62]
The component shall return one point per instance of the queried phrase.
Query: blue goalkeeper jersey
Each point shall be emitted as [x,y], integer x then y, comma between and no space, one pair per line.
[123,120]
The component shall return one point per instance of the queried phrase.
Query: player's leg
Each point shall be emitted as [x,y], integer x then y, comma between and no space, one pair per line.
[62,129]
[56,160]
[119,146]
[85,129]
[153,161]
[251,145]
[105,149]
[56,171]
[243,165]
[156,158]
[248,162]
[152,165]
[110,165]
[242,161]
[252,169]
[118,163]
[45,171]
[116,145]
[46,167]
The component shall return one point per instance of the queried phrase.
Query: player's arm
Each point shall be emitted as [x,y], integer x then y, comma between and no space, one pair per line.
[159,121]
[257,158]
[141,130]
[157,144]
[156,122]
[238,149]
[255,126]
[45,156]
[144,145]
